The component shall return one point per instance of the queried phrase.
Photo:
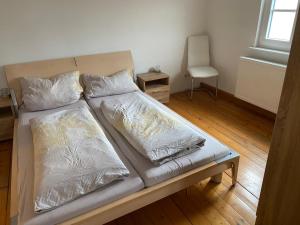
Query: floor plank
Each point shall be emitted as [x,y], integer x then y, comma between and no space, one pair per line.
[3,205]
[227,202]
[205,203]
[201,207]
[4,168]
[251,129]
[249,199]
[251,144]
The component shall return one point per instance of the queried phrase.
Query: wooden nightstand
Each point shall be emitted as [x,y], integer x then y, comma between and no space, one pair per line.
[6,119]
[156,85]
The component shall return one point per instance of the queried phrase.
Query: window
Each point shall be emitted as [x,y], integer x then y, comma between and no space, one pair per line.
[276,24]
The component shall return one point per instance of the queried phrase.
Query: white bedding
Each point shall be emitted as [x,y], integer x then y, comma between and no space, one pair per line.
[155,134]
[114,84]
[212,150]
[98,198]
[72,157]
[60,90]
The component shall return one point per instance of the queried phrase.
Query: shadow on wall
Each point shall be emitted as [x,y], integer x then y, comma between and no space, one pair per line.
[181,78]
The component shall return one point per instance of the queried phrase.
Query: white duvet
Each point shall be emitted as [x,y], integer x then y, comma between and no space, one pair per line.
[157,135]
[72,157]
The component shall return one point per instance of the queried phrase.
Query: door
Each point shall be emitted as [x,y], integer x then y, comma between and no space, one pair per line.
[280,197]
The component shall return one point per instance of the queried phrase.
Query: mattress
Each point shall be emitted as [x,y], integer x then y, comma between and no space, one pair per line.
[151,174]
[93,200]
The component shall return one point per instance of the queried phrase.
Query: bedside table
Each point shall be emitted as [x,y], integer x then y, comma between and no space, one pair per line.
[6,118]
[156,85]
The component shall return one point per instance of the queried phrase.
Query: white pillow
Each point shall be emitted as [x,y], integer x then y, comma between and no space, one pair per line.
[41,94]
[118,83]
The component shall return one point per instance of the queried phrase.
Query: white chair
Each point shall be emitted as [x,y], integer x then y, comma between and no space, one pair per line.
[199,60]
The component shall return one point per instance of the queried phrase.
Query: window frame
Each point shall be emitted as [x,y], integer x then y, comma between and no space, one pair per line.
[264,25]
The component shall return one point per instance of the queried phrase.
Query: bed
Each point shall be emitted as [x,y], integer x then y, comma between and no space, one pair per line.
[89,209]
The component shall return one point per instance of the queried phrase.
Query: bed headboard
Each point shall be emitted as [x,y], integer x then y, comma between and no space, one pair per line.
[103,64]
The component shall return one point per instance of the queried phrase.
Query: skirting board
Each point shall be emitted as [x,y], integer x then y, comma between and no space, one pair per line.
[230,97]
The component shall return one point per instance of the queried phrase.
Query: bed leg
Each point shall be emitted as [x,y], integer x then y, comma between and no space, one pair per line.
[234,171]
[217,178]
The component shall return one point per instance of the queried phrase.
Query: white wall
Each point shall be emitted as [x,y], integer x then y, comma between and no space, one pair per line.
[155,31]
[232,28]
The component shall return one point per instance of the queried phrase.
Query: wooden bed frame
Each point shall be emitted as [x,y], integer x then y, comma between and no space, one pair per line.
[105,64]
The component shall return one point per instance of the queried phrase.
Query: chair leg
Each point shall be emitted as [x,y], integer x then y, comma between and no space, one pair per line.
[192,88]
[217,85]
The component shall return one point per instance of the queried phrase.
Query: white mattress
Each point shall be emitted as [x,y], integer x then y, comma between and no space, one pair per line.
[83,204]
[212,150]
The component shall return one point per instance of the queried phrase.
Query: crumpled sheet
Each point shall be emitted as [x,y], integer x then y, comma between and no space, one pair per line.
[72,157]
[157,135]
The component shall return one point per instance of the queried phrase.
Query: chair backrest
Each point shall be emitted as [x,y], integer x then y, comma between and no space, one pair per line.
[198,51]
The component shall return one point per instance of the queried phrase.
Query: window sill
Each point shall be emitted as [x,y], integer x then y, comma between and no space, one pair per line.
[276,56]
[283,66]
[272,51]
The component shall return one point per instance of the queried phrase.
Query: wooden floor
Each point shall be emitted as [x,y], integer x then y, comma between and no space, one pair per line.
[5,158]
[204,203]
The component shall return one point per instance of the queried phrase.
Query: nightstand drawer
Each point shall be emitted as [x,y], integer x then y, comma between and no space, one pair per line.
[7,128]
[156,85]
[162,96]
[158,89]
